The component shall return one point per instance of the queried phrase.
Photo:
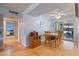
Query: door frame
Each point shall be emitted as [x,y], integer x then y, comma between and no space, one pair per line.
[15,19]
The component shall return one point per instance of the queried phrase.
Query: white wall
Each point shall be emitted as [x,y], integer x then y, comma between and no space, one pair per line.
[43,23]
[29,23]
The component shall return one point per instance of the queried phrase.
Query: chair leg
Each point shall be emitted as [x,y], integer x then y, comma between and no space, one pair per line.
[54,43]
[45,42]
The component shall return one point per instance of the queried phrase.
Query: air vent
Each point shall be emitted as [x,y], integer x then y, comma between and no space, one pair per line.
[14,12]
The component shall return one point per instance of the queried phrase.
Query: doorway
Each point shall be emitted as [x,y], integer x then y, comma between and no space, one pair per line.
[10,34]
[11,29]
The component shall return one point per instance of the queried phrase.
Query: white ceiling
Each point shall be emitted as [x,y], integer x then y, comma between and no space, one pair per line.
[34,9]
[44,8]
[19,7]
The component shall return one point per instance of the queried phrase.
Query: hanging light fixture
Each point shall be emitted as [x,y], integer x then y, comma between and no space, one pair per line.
[58,17]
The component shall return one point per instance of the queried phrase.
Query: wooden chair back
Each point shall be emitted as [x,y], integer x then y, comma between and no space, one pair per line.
[60,35]
[47,35]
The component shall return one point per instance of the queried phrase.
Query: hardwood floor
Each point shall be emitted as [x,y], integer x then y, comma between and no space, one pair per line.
[15,48]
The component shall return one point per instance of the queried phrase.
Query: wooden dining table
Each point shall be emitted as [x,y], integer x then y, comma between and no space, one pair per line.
[53,35]
[53,38]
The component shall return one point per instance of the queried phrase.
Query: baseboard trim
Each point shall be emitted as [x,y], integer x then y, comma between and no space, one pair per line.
[25,45]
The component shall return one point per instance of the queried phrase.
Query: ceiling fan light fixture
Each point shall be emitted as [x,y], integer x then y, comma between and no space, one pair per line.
[58,17]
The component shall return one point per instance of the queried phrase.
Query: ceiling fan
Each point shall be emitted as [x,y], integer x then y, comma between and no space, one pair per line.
[59,13]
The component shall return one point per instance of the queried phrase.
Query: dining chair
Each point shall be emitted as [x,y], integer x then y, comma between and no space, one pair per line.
[59,39]
[47,37]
